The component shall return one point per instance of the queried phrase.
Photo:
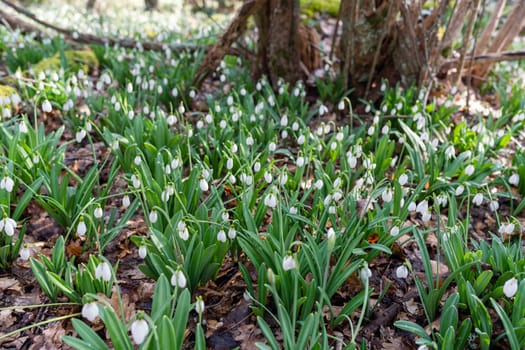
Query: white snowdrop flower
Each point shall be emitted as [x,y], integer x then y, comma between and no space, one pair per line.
[178,279]
[494,205]
[383,87]
[268,177]
[222,124]
[192,94]
[234,148]
[243,92]
[25,252]
[199,125]
[333,146]
[137,160]
[387,195]
[139,331]
[337,196]
[365,273]
[301,139]
[394,231]
[90,311]
[46,106]
[323,110]
[203,184]
[175,163]
[422,207]
[426,216]
[442,200]
[257,167]
[229,163]
[283,179]
[330,234]
[341,105]
[514,179]
[171,120]
[422,347]
[339,136]
[225,216]
[284,120]
[272,146]
[289,263]
[143,251]
[469,170]
[403,178]
[450,152]
[459,190]
[506,229]
[510,287]
[352,161]
[208,118]
[295,126]
[22,127]
[332,210]
[327,200]
[271,101]
[326,129]
[384,109]
[81,228]
[7,184]
[367,108]
[126,201]
[153,216]
[199,305]
[385,129]
[221,236]
[117,106]
[318,184]
[402,272]
[300,162]
[98,212]
[103,271]
[135,181]
[270,201]
[80,135]
[184,234]
[232,233]
[375,121]
[478,199]
[249,141]
[284,134]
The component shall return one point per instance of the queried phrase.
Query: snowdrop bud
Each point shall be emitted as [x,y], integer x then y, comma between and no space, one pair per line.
[514,179]
[301,139]
[125,201]
[289,263]
[330,236]
[494,205]
[272,147]
[450,152]
[203,184]
[469,170]
[403,178]
[98,212]
[257,167]
[103,271]
[318,184]
[510,287]
[249,141]
[459,190]
[199,305]
[25,252]
[387,195]
[270,201]
[229,164]
[221,236]
[178,279]
[365,274]
[268,177]
[143,251]
[139,331]
[232,233]
[46,106]
[293,210]
[341,105]
[153,216]
[22,127]
[426,216]
[90,311]
[81,228]
[394,231]
[402,272]
[283,178]
[135,181]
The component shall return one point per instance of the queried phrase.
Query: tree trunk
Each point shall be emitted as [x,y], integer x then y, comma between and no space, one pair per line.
[278,49]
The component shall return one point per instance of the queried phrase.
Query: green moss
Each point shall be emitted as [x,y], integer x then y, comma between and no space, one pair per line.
[74,59]
[311,7]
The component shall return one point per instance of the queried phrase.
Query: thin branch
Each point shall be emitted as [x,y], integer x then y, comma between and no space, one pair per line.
[486,58]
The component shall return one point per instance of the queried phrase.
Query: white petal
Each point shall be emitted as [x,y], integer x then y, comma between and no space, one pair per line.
[139,331]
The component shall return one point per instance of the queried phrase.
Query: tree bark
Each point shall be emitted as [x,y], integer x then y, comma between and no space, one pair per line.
[278,49]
